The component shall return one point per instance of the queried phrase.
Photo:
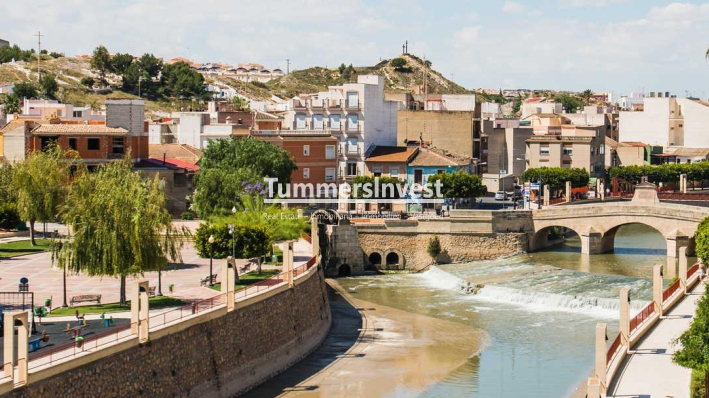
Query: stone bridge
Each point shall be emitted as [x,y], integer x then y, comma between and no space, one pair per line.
[597,224]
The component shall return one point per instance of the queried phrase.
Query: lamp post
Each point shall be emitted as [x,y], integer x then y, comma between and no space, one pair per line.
[233,241]
[211,256]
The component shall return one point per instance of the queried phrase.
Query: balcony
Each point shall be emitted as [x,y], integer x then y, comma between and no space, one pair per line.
[291,133]
[353,105]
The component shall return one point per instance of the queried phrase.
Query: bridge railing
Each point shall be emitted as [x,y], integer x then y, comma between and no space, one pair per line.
[643,315]
[692,270]
[670,291]
[613,349]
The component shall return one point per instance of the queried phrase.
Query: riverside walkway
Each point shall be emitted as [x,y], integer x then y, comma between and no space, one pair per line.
[648,370]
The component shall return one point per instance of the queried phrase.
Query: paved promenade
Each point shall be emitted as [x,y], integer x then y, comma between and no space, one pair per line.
[649,371]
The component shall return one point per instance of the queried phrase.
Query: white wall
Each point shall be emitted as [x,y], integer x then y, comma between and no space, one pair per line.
[459,102]
[696,123]
[650,126]
[190,129]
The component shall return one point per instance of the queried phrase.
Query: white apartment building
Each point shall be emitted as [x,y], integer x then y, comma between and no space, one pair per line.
[533,106]
[355,113]
[594,115]
[668,121]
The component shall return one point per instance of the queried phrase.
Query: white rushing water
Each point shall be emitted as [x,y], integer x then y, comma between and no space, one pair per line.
[547,294]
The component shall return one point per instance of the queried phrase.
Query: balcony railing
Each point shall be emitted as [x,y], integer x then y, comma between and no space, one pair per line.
[291,133]
[352,104]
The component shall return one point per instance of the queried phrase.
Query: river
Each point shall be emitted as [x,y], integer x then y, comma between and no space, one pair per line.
[538,310]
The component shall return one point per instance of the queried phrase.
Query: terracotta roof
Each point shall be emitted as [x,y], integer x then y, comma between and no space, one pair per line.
[261,115]
[175,164]
[12,124]
[88,129]
[429,158]
[391,153]
[181,152]
[690,152]
[534,100]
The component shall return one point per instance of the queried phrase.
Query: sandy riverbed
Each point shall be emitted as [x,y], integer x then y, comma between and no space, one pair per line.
[396,353]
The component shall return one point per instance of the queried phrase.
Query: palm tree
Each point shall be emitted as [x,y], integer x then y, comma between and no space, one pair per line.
[12,104]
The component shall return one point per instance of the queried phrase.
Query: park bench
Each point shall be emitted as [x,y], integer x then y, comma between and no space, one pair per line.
[84,298]
[205,281]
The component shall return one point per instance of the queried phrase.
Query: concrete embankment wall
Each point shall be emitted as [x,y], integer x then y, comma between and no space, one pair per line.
[219,354]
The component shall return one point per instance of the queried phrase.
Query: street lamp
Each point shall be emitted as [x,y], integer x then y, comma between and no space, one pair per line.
[233,241]
[211,256]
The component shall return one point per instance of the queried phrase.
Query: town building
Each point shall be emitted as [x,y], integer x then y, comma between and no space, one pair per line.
[4,43]
[535,105]
[389,161]
[12,136]
[503,153]
[428,162]
[557,143]
[177,177]
[445,122]
[595,115]
[632,154]
[355,113]
[682,155]
[667,121]
[47,109]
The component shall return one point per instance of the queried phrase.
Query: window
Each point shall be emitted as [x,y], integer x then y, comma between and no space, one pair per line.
[93,144]
[351,169]
[394,171]
[45,141]
[77,113]
[330,174]
[544,150]
[568,150]
[306,173]
[418,176]
[73,143]
[334,122]
[441,171]
[306,150]
[352,146]
[377,171]
[329,152]
[300,122]
[318,122]
[352,122]
[352,99]
[118,145]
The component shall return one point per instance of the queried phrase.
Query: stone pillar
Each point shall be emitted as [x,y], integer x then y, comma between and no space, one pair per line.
[624,306]
[546,195]
[671,269]
[657,288]
[22,346]
[287,248]
[683,269]
[139,309]
[674,241]
[568,191]
[315,236]
[598,188]
[601,352]
[228,282]
[683,183]
[602,188]
[593,388]
[591,242]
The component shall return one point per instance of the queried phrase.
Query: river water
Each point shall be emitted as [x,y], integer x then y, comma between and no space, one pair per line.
[539,311]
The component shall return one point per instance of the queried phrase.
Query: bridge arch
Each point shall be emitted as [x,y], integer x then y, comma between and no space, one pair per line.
[541,238]
[608,239]
[375,258]
[393,259]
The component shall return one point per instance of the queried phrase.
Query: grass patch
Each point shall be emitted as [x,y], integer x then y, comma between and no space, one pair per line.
[20,247]
[249,279]
[155,303]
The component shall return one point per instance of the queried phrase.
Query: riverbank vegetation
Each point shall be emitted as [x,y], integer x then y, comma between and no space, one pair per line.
[556,177]
[665,173]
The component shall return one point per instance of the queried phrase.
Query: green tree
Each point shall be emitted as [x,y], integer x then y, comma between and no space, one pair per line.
[342,68]
[40,183]
[517,104]
[119,225]
[217,189]
[12,104]
[88,81]
[370,187]
[694,351]
[240,104]
[101,63]
[568,102]
[25,90]
[56,55]
[586,95]
[397,63]
[556,177]
[701,240]
[458,185]
[130,78]
[264,158]
[120,62]
[49,86]
[434,247]
[181,81]
[7,189]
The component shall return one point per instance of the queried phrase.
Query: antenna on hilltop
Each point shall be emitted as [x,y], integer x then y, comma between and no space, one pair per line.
[39,52]
[287,66]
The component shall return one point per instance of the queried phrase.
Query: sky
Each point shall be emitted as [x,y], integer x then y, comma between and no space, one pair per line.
[606,45]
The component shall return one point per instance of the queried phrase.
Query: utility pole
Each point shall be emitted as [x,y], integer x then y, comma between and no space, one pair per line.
[287,66]
[39,52]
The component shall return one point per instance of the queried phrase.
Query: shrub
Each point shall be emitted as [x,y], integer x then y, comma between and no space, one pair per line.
[251,240]
[398,62]
[434,247]
[188,215]
[9,218]
[88,81]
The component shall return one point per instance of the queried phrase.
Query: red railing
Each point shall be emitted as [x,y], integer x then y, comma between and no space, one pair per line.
[670,291]
[185,311]
[642,316]
[683,196]
[45,357]
[692,270]
[308,238]
[613,349]
[556,201]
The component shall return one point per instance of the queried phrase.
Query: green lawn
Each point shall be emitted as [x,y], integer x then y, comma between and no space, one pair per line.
[20,247]
[248,279]
[155,303]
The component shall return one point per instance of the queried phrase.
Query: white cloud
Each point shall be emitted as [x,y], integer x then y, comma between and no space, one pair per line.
[467,35]
[587,3]
[512,7]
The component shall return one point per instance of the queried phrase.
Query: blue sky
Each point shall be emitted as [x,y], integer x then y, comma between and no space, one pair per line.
[605,45]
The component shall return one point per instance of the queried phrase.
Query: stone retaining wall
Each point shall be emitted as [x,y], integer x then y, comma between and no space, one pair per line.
[221,356]
[457,247]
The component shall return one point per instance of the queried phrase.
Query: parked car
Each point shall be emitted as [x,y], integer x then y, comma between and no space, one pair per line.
[500,195]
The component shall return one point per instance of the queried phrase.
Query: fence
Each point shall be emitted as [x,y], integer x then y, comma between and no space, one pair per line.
[670,291]
[692,270]
[642,316]
[683,196]
[556,201]
[185,311]
[94,342]
[613,349]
